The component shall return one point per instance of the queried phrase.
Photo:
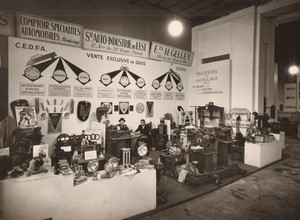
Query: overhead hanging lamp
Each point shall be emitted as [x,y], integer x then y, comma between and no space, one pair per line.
[293,69]
[175,28]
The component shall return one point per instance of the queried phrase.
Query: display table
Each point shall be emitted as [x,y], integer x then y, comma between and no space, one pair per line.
[47,195]
[261,154]
[114,144]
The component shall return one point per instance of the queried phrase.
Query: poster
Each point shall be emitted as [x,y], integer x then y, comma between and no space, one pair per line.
[26,117]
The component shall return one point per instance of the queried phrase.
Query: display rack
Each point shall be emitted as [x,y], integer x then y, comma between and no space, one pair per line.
[209,115]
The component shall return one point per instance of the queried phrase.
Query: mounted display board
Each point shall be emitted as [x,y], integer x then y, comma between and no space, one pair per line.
[211,84]
[69,75]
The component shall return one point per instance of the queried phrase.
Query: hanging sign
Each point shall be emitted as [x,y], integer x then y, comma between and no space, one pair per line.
[100,41]
[48,30]
[7,24]
[171,54]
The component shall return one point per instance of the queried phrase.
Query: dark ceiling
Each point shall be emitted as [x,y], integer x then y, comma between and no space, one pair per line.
[287,43]
[195,12]
[200,11]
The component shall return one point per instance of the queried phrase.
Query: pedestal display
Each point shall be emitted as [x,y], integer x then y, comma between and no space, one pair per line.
[223,148]
[261,154]
[280,137]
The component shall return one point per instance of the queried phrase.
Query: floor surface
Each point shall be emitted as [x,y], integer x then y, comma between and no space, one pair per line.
[270,193]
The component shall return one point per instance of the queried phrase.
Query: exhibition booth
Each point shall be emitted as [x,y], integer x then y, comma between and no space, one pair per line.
[113,126]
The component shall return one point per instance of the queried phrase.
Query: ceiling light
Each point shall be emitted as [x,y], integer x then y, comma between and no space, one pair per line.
[175,28]
[293,69]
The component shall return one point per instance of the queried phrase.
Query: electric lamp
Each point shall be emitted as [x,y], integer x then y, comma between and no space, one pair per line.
[175,28]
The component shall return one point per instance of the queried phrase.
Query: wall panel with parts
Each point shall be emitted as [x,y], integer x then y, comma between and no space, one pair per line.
[67,84]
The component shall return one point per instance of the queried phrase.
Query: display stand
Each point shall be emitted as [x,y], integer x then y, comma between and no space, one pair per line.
[207,161]
[261,154]
[114,145]
[223,148]
[49,196]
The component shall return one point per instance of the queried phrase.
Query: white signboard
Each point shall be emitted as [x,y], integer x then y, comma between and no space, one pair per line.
[140,94]
[101,41]
[44,29]
[155,95]
[105,92]
[168,95]
[210,84]
[60,90]
[290,97]
[124,93]
[179,96]
[82,91]
[37,89]
[171,54]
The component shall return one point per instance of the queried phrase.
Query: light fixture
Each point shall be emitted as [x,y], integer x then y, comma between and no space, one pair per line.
[175,28]
[293,69]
